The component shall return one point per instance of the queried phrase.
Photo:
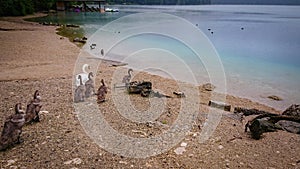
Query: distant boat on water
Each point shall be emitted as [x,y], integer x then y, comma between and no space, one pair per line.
[111,10]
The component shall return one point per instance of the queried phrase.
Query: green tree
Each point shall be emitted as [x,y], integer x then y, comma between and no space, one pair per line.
[16,7]
[43,5]
[24,7]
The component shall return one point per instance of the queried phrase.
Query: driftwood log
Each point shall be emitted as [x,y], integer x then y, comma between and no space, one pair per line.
[269,122]
[219,105]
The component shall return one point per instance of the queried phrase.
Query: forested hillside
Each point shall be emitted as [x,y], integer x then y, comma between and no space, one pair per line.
[24,7]
[160,2]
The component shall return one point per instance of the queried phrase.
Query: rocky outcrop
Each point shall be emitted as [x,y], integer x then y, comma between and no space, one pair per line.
[293,110]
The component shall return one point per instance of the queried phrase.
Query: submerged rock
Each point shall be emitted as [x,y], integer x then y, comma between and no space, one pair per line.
[273,97]
[208,87]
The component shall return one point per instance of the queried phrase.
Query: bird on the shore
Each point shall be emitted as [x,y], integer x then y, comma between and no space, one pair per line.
[11,133]
[84,75]
[89,86]
[93,46]
[127,78]
[79,91]
[101,93]
[33,108]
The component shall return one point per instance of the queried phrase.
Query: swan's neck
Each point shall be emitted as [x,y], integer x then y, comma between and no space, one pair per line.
[85,66]
[80,80]
[17,108]
[35,95]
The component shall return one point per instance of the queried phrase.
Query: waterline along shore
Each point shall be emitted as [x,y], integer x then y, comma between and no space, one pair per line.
[33,57]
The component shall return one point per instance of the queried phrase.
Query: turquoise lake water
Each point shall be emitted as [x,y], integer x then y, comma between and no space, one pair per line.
[258,45]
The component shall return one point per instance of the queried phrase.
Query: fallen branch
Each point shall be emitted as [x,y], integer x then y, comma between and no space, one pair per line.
[219,105]
[234,138]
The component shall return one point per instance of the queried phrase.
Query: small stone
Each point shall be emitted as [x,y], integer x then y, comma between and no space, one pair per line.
[220,147]
[122,162]
[73,161]
[148,165]
[227,165]
[10,162]
[44,112]
[249,166]
[277,152]
[179,150]
[183,144]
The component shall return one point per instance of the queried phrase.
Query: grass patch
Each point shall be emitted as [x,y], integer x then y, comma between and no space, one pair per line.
[71,33]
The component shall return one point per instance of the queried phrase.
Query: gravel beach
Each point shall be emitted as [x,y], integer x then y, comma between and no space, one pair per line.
[33,57]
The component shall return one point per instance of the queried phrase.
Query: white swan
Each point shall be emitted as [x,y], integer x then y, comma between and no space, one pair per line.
[84,75]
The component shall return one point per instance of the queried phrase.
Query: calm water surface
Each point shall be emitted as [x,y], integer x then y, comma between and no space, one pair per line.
[258,45]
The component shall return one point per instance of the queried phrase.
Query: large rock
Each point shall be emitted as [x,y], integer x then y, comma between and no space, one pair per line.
[290,126]
[293,127]
[293,110]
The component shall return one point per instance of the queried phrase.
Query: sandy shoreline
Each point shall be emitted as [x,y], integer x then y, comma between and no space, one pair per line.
[34,57]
